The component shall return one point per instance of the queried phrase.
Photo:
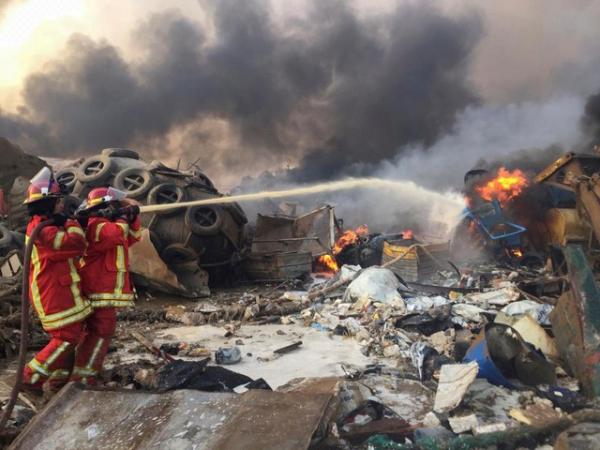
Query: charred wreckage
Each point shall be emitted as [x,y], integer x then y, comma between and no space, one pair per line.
[483,335]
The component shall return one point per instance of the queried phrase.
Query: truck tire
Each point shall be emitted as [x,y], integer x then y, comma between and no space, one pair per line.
[121,153]
[95,171]
[135,181]
[67,178]
[166,193]
[204,220]
[238,213]
[18,238]
[176,254]
[5,237]
[188,266]
[202,181]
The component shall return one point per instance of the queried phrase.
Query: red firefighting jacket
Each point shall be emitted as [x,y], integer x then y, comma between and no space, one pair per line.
[105,266]
[53,278]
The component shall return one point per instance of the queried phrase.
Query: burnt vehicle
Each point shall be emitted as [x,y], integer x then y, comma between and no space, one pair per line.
[213,237]
[491,226]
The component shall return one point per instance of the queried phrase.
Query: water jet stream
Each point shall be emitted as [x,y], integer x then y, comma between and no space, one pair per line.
[407,187]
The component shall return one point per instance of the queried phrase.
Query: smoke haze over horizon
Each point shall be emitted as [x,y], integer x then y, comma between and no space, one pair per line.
[311,90]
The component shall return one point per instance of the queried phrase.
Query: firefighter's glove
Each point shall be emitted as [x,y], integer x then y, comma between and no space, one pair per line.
[83,221]
[59,219]
[131,213]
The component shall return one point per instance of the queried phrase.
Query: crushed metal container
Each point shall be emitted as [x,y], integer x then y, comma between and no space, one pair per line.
[277,266]
[418,263]
[576,322]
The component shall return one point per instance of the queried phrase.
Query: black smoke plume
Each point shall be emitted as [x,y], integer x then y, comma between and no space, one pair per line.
[331,92]
[590,122]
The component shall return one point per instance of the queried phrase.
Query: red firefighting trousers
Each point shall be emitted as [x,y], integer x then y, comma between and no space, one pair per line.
[54,362]
[91,351]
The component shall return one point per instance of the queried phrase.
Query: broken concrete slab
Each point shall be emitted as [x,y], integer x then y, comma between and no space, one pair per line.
[180,419]
[410,399]
[461,424]
[455,380]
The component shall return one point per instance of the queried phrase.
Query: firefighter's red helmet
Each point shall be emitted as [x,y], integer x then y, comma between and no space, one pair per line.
[102,196]
[42,186]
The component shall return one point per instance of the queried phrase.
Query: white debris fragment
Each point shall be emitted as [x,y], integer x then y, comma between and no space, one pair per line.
[498,297]
[422,303]
[534,334]
[469,312]
[348,272]
[540,312]
[490,428]
[431,420]
[391,351]
[443,341]
[460,424]
[295,296]
[455,379]
[352,325]
[376,285]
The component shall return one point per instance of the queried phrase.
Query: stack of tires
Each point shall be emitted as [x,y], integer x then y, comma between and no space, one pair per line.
[212,237]
[10,240]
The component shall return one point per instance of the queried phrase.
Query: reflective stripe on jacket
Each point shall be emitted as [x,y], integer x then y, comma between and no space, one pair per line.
[105,267]
[53,278]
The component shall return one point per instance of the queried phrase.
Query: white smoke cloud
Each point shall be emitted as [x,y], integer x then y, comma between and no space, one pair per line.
[492,133]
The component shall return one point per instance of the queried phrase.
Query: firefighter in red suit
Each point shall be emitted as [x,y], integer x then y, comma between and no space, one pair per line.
[113,225]
[54,284]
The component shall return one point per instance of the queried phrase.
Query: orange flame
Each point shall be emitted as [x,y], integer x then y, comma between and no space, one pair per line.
[349,237]
[408,234]
[517,253]
[328,262]
[506,186]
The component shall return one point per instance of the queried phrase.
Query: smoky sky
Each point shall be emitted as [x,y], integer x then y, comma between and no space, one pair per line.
[329,89]
[590,122]
[4,4]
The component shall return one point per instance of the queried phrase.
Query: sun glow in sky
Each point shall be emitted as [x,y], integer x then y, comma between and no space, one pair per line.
[28,21]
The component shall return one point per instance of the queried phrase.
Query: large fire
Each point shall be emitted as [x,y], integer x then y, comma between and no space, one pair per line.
[504,187]
[329,263]
[348,237]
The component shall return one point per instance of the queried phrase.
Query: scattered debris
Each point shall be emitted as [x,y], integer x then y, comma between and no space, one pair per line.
[288,348]
[454,381]
[228,355]
[460,424]
[537,414]
[576,322]
[374,285]
[377,340]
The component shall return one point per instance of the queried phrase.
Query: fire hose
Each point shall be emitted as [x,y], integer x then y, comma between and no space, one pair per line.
[24,324]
